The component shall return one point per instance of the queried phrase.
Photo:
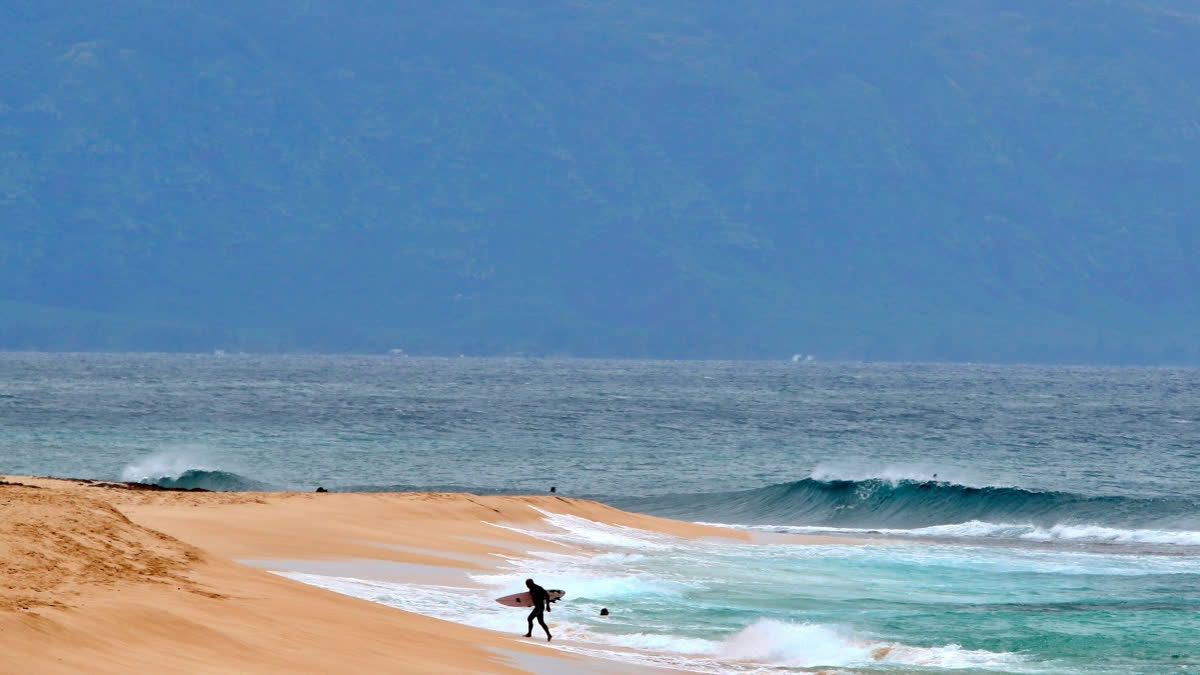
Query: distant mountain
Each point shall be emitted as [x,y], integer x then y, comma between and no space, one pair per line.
[885,179]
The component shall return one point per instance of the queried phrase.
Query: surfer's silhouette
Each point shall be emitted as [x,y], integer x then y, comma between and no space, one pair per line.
[541,604]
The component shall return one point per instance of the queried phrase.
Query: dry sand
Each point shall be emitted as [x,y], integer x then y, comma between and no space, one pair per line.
[98,577]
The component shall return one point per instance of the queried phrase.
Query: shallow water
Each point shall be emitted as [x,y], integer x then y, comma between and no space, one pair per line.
[713,606]
[1060,533]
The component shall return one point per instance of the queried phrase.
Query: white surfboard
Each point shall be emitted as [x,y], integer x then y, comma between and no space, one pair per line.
[526,600]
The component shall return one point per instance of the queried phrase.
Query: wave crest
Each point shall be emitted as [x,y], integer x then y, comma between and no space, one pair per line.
[188,468]
[911,504]
[807,645]
[217,481]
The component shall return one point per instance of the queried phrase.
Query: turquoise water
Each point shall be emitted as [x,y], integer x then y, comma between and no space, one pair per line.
[1061,532]
[715,606]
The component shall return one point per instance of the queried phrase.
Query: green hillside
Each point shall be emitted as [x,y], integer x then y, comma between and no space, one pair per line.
[888,179]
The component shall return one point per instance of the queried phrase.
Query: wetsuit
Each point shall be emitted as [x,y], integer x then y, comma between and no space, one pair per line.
[541,603]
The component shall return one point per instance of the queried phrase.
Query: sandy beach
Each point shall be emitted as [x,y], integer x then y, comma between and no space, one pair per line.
[102,577]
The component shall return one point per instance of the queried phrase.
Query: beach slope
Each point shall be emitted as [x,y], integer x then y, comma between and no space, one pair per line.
[107,577]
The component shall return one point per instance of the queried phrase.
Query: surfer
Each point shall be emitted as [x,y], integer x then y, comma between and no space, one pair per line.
[541,604]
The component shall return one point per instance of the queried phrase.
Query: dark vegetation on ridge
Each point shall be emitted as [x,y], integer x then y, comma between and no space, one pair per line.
[886,179]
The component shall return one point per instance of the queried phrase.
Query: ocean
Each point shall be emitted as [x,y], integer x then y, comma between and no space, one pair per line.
[1019,519]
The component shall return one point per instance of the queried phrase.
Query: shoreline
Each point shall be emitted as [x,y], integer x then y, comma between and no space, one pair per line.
[102,576]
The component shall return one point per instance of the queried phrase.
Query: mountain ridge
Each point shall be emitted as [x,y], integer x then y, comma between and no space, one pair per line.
[892,181]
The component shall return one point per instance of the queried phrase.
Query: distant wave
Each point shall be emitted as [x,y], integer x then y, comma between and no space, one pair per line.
[913,504]
[1081,534]
[217,481]
[228,481]
[188,467]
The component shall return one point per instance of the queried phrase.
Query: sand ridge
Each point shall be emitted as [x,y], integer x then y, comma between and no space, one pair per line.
[59,545]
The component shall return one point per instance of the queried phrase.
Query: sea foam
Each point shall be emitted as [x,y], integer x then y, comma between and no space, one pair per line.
[608,577]
[569,529]
[807,645]
[978,529]
[766,642]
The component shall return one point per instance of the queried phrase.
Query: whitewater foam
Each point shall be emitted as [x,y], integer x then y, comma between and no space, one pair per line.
[1063,533]
[766,642]
[808,645]
[977,529]
[584,582]
[1097,533]
[583,532]
[781,644]
[615,576]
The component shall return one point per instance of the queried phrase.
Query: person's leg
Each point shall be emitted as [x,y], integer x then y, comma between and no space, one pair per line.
[529,633]
[542,621]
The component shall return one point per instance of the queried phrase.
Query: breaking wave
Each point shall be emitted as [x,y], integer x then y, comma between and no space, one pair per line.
[217,481]
[938,508]
[188,468]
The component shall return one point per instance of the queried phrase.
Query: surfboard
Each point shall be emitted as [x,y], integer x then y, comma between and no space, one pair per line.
[526,600]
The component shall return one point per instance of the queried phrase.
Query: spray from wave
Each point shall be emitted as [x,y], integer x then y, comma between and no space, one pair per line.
[188,468]
[904,472]
[808,645]
[783,644]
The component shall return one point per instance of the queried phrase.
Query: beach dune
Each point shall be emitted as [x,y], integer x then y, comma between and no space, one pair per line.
[109,577]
